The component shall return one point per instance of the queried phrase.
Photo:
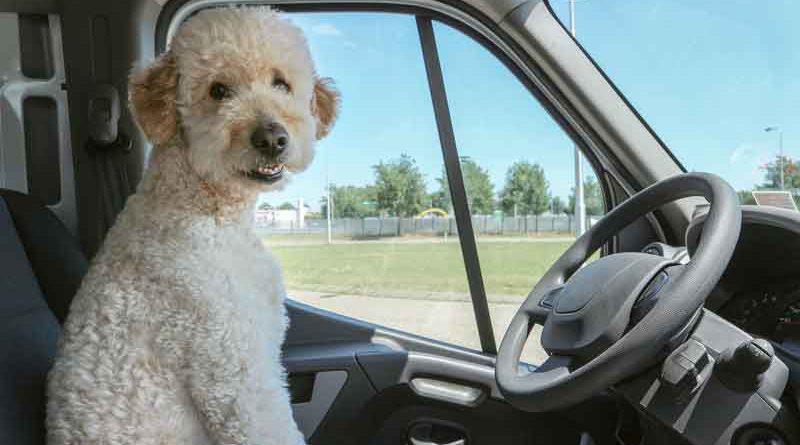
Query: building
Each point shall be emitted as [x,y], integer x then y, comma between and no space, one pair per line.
[283,219]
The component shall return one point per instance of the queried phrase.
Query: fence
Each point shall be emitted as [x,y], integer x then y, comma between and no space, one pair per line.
[393,226]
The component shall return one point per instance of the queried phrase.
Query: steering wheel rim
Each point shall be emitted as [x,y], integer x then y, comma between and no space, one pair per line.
[557,383]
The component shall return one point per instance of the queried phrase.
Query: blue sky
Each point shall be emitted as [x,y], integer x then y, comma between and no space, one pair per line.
[708,77]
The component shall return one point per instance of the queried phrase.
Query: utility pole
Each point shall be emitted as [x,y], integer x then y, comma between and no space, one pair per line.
[328,199]
[580,205]
[780,149]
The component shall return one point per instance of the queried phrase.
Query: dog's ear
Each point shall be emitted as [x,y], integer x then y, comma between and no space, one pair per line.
[325,105]
[152,99]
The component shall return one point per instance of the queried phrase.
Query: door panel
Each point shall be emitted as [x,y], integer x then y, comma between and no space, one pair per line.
[316,395]
[335,403]
[377,402]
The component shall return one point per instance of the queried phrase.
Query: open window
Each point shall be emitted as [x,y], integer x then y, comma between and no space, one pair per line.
[443,194]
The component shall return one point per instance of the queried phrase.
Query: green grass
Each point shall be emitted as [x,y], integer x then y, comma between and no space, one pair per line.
[509,268]
[296,238]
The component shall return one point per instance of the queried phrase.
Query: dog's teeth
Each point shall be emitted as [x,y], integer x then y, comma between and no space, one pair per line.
[265,168]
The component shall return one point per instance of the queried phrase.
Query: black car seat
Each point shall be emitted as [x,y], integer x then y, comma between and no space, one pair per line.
[41,267]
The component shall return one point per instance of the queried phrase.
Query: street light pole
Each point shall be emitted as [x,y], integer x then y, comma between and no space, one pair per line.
[780,150]
[580,205]
[328,201]
[780,153]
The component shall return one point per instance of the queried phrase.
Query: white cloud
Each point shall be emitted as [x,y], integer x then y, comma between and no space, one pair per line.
[744,152]
[736,154]
[326,29]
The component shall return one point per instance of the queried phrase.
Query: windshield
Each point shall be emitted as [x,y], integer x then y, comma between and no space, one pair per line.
[719,82]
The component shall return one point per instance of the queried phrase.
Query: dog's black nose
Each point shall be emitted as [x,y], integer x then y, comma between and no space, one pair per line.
[270,139]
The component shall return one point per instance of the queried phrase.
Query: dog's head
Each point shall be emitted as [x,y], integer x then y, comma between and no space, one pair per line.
[239,86]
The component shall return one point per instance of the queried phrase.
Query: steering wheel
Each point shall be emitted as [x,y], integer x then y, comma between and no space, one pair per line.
[621,313]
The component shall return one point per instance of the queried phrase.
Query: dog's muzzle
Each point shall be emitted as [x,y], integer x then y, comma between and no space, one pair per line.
[271,140]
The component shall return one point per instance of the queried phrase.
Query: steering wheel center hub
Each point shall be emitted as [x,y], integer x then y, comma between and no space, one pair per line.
[592,310]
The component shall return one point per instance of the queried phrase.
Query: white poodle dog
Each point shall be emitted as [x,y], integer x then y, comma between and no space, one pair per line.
[175,334]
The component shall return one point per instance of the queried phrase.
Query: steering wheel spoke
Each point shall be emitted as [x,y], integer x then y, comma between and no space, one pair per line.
[556,365]
[540,303]
[660,284]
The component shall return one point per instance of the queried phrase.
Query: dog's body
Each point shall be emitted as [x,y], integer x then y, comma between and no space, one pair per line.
[179,310]
[175,334]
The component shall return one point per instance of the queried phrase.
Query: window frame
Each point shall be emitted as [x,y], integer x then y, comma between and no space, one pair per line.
[487,34]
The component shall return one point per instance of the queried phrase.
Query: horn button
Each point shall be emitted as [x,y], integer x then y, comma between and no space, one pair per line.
[592,310]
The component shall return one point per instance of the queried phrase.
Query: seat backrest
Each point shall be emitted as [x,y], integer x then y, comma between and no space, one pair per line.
[41,267]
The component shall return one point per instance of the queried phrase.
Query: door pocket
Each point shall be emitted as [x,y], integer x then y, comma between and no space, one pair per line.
[435,432]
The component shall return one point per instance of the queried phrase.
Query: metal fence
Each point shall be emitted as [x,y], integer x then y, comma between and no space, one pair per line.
[393,226]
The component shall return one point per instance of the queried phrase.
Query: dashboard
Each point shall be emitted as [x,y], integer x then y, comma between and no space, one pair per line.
[760,290]
[757,296]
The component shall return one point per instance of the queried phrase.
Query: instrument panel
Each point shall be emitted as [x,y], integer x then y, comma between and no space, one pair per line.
[760,290]
[772,313]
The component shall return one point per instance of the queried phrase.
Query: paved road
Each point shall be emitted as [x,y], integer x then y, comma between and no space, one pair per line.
[440,319]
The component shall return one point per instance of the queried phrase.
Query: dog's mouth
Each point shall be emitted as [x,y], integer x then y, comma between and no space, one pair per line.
[266,172]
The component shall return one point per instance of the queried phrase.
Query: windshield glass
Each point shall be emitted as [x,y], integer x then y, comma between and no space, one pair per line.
[719,82]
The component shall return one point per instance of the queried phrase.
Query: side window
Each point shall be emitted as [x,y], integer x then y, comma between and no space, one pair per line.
[519,175]
[360,233]
[369,231]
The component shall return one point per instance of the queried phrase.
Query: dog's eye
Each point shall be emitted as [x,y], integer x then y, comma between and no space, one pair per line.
[281,84]
[219,91]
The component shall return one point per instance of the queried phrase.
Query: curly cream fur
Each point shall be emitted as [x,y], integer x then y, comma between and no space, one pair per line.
[175,334]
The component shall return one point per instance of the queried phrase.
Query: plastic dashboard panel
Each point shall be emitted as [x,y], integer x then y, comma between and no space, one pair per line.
[760,290]
[770,216]
[715,413]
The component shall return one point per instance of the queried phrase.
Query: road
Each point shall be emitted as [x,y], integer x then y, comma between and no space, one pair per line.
[449,321]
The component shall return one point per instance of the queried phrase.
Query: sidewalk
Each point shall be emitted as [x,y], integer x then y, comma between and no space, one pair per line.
[450,321]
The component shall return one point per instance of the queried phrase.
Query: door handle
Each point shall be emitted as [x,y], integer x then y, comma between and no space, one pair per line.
[435,433]
[447,391]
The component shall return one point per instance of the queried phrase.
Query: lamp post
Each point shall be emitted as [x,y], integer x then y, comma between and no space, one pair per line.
[328,209]
[580,205]
[780,149]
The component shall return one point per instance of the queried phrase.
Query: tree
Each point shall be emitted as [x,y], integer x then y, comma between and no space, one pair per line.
[557,205]
[286,206]
[265,206]
[477,183]
[746,197]
[772,177]
[526,189]
[441,198]
[772,174]
[399,187]
[592,198]
[350,201]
